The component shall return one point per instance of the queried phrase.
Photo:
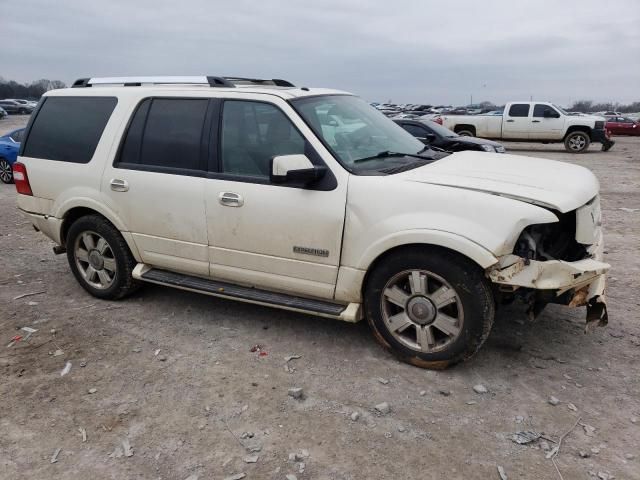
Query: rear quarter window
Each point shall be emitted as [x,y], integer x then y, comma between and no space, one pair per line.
[68,129]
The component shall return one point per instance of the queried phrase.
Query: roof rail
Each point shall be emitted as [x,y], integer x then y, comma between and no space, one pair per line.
[227,82]
[260,81]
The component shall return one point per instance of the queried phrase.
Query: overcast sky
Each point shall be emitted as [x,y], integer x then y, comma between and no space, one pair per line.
[405,51]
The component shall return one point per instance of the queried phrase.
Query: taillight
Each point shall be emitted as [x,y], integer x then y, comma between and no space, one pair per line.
[21,179]
[438,120]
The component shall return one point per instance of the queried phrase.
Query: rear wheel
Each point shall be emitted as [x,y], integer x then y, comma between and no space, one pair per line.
[577,142]
[6,172]
[466,133]
[100,258]
[430,307]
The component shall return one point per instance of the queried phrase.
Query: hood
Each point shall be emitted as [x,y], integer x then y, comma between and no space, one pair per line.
[557,185]
[474,141]
[591,118]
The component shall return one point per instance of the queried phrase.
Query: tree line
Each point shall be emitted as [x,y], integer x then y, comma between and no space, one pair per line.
[588,106]
[28,91]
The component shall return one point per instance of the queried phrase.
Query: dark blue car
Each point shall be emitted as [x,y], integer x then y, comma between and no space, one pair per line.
[9,146]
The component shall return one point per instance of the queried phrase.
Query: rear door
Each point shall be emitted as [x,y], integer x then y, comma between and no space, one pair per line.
[546,123]
[516,122]
[156,182]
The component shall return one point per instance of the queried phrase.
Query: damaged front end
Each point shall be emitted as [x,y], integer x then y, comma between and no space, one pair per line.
[558,262]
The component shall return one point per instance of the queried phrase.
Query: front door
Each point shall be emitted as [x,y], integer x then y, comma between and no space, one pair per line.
[516,122]
[156,184]
[546,123]
[269,235]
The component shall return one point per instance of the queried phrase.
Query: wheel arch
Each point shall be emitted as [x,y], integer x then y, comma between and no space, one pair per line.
[464,126]
[351,281]
[73,213]
[578,128]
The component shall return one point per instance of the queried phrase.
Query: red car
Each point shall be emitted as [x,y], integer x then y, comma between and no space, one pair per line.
[622,126]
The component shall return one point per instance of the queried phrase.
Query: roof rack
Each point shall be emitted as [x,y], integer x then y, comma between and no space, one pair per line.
[226,82]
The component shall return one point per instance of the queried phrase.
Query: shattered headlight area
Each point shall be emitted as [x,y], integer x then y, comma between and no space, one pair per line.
[558,262]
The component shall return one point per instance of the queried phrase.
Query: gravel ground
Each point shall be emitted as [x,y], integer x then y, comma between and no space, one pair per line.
[171,374]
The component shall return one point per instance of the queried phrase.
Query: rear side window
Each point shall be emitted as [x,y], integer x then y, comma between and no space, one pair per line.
[68,129]
[166,133]
[519,110]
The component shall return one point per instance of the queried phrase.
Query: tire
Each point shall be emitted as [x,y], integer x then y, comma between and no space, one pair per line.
[112,264]
[6,172]
[577,142]
[466,133]
[466,306]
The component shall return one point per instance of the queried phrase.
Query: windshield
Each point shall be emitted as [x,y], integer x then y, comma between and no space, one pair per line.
[358,134]
[561,110]
[439,129]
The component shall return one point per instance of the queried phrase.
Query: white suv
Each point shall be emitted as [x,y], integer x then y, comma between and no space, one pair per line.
[305,199]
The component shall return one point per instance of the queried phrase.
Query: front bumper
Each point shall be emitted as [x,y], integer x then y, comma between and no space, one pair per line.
[576,284]
[601,136]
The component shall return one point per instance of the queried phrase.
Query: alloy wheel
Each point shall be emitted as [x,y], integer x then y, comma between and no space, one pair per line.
[6,175]
[422,310]
[95,260]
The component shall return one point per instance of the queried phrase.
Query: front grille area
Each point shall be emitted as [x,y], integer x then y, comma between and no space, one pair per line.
[551,241]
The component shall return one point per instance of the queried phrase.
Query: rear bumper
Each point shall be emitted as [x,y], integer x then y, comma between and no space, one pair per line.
[575,284]
[46,224]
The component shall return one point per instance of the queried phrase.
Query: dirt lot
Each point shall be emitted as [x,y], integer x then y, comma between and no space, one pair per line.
[175,378]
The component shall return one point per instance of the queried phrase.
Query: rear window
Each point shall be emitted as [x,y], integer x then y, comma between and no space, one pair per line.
[68,129]
[166,133]
[519,110]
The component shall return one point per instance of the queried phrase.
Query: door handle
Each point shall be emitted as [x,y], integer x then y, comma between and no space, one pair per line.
[509,121]
[230,199]
[535,121]
[118,185]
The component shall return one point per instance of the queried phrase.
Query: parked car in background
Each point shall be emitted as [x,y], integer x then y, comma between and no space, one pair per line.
[29,103]
[435,135]
[9,147]
[534,122]
[622,126]
[3,113]
[14,108]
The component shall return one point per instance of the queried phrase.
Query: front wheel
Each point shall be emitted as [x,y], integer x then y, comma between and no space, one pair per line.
[466,133]
[6,172]
[100,258]
[577,142]
[430,307]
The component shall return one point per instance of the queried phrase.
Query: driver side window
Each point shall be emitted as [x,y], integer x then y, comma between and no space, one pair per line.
[252,134]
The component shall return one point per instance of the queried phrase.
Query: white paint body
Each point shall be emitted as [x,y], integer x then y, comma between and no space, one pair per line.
[474,203]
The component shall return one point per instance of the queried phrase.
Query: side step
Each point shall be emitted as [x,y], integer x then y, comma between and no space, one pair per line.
[322,308]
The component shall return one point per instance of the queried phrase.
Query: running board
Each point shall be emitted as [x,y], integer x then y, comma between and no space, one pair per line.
[215,288]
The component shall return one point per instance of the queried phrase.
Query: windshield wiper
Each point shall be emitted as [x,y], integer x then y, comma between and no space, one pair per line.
[387,153]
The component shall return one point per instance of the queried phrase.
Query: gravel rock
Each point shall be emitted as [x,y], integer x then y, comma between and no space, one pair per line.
[423,393]
[236,476]
[92,390]
[296,392]
[251,459]
[444,393]
[291,477]
[355,416]
[584,454]
[383,408]
[553,401]
[572,407]
[480,389]
[629,456]
[383,381]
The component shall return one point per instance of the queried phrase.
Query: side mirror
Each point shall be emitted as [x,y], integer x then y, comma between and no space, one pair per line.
[295,169]
[431,137]
[551,114]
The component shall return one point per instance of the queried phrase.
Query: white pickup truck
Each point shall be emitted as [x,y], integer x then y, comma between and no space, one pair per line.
[534,122]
